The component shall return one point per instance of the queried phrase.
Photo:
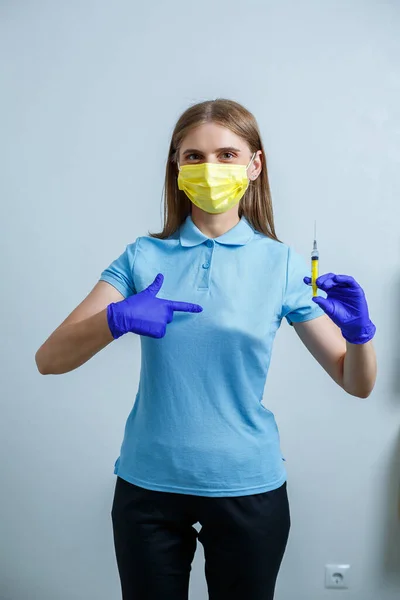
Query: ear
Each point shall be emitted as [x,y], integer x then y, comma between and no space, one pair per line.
[256,166]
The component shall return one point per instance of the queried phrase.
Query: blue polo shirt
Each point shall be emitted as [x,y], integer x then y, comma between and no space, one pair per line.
[198,425]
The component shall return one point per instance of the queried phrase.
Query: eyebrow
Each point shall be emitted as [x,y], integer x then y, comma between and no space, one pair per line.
[227,149]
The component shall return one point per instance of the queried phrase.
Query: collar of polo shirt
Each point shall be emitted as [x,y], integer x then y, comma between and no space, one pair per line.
[239,235]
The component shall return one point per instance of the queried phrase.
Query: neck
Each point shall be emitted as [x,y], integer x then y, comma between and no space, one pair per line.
[214,226]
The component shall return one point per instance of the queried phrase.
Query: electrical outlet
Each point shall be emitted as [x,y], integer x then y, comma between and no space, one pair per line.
[337,576]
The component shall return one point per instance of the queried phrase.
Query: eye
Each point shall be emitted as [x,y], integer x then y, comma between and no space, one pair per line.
[227,156]
[193,157]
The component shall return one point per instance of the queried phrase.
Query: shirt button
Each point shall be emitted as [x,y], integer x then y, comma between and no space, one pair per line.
[206,265]
[209,244]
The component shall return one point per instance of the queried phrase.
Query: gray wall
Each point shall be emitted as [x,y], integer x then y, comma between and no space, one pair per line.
[90,92]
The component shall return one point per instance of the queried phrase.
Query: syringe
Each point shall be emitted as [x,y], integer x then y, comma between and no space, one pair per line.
[314,263]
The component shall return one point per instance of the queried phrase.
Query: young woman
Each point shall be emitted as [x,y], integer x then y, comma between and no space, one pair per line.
[207,296]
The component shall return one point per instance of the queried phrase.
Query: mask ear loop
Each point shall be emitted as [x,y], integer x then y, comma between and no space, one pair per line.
[177,162]
[251,160]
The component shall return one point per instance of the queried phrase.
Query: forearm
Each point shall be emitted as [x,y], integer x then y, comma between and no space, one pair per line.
[359,369]
[72,345]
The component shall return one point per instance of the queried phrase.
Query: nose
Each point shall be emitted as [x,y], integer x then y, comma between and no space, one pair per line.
[210,158]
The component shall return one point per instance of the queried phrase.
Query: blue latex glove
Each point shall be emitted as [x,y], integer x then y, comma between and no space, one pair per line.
[145,314]
[346,305]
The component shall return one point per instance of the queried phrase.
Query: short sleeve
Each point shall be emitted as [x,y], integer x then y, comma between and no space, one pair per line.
[120,273]
[298,305]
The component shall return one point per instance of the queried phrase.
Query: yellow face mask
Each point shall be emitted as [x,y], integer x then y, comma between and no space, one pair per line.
[215,188]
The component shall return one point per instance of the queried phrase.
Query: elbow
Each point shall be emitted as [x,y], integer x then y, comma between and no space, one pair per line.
[360,393]
[42,365]
[364,394]
[44,371]
[42,368]
[360,389]
[47,367]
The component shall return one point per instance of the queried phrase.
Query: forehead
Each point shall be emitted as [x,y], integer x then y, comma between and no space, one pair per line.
[210,136]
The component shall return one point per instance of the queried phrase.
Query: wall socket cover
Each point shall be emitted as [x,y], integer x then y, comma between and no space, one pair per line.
[337,576]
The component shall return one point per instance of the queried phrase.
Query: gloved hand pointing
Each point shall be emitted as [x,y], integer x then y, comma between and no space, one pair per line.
[144,313]
[346,305]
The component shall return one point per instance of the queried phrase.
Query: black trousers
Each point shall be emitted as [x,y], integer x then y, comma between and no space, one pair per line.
[244,539]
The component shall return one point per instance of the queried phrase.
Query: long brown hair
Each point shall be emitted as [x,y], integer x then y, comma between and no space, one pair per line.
[256,204]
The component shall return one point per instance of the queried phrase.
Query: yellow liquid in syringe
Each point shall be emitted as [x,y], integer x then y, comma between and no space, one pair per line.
[314,275]
[314,263]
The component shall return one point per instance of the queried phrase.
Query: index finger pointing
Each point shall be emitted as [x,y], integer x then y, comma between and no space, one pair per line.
[185,307]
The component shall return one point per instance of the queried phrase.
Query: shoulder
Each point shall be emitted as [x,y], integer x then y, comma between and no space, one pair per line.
[147,243]
[283,258]
[262,243]
[280,249]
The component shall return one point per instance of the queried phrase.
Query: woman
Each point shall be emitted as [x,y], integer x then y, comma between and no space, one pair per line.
[207,296]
